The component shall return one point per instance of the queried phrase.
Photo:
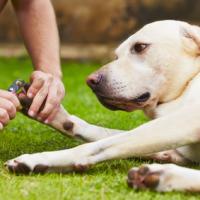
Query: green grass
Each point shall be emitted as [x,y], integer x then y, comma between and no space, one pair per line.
[104,181]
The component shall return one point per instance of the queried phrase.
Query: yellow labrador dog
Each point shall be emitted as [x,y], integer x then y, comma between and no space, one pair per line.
[157,70]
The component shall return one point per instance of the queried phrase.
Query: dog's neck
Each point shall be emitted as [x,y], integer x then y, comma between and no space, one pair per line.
[178,82]
[175,90]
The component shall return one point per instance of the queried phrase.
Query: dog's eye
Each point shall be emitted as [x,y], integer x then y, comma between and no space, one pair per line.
[139,47]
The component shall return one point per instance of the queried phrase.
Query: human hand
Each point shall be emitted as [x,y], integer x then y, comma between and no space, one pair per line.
[47,93]
[9,104]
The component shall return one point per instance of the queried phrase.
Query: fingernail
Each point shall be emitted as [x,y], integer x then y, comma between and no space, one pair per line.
[30,95]
[1,127]
[46,121]
[31,113]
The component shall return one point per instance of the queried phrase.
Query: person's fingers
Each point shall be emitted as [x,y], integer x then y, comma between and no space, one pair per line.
[11,97]
[52,115]
[36,75]
[57,89]
[35,86]
[1,126]
[52,102]
[4,117]
[9,107]
[38,100]
[47,93]
[61,91]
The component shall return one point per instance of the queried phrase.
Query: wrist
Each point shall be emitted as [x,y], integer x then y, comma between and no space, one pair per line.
[55,72]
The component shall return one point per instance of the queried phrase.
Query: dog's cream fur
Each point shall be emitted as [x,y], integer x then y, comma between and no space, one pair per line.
[169,70]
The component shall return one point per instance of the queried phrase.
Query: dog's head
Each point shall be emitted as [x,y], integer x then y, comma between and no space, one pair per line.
[152,66]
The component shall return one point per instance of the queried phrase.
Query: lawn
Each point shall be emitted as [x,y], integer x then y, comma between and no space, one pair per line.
[104,181]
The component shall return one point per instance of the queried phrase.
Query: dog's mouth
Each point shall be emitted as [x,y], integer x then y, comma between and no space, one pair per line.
[120,103]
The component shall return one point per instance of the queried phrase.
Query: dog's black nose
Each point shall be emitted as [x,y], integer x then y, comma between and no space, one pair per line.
[142,98]
[94,80]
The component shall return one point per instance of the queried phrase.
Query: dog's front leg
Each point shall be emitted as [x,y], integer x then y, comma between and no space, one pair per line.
[175,130]
[72,125]
[76,127]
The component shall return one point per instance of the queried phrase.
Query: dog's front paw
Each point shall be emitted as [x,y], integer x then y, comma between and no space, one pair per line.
[26,164]
[143,177]
[162,178]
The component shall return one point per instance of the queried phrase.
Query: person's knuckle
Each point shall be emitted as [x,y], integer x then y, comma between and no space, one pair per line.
[10,108]
[62,94]
[60,88]
[12,97]
[6,121]
[53,101]
[37,86]
[59,97]
[50,78]
[3,113]
[45,112]
[40,79]
[36,75]
[43,90]
[42,93]
[37,72]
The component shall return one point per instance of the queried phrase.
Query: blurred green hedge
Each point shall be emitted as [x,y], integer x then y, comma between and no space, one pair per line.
[105,21]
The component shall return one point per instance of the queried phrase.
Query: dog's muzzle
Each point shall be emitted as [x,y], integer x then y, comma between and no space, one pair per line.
[96,82]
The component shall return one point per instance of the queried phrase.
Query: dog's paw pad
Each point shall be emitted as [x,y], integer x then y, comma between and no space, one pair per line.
[17,167]
[143,177]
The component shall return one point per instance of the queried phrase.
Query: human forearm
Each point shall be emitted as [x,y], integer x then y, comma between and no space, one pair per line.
[39,30]
[38,26]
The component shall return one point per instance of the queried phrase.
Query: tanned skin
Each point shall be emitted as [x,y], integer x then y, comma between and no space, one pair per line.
[38,27]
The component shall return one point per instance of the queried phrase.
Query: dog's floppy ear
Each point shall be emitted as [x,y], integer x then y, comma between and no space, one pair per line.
[191,39]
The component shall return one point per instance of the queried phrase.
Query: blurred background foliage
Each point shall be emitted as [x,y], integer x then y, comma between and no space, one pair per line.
[105,22]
